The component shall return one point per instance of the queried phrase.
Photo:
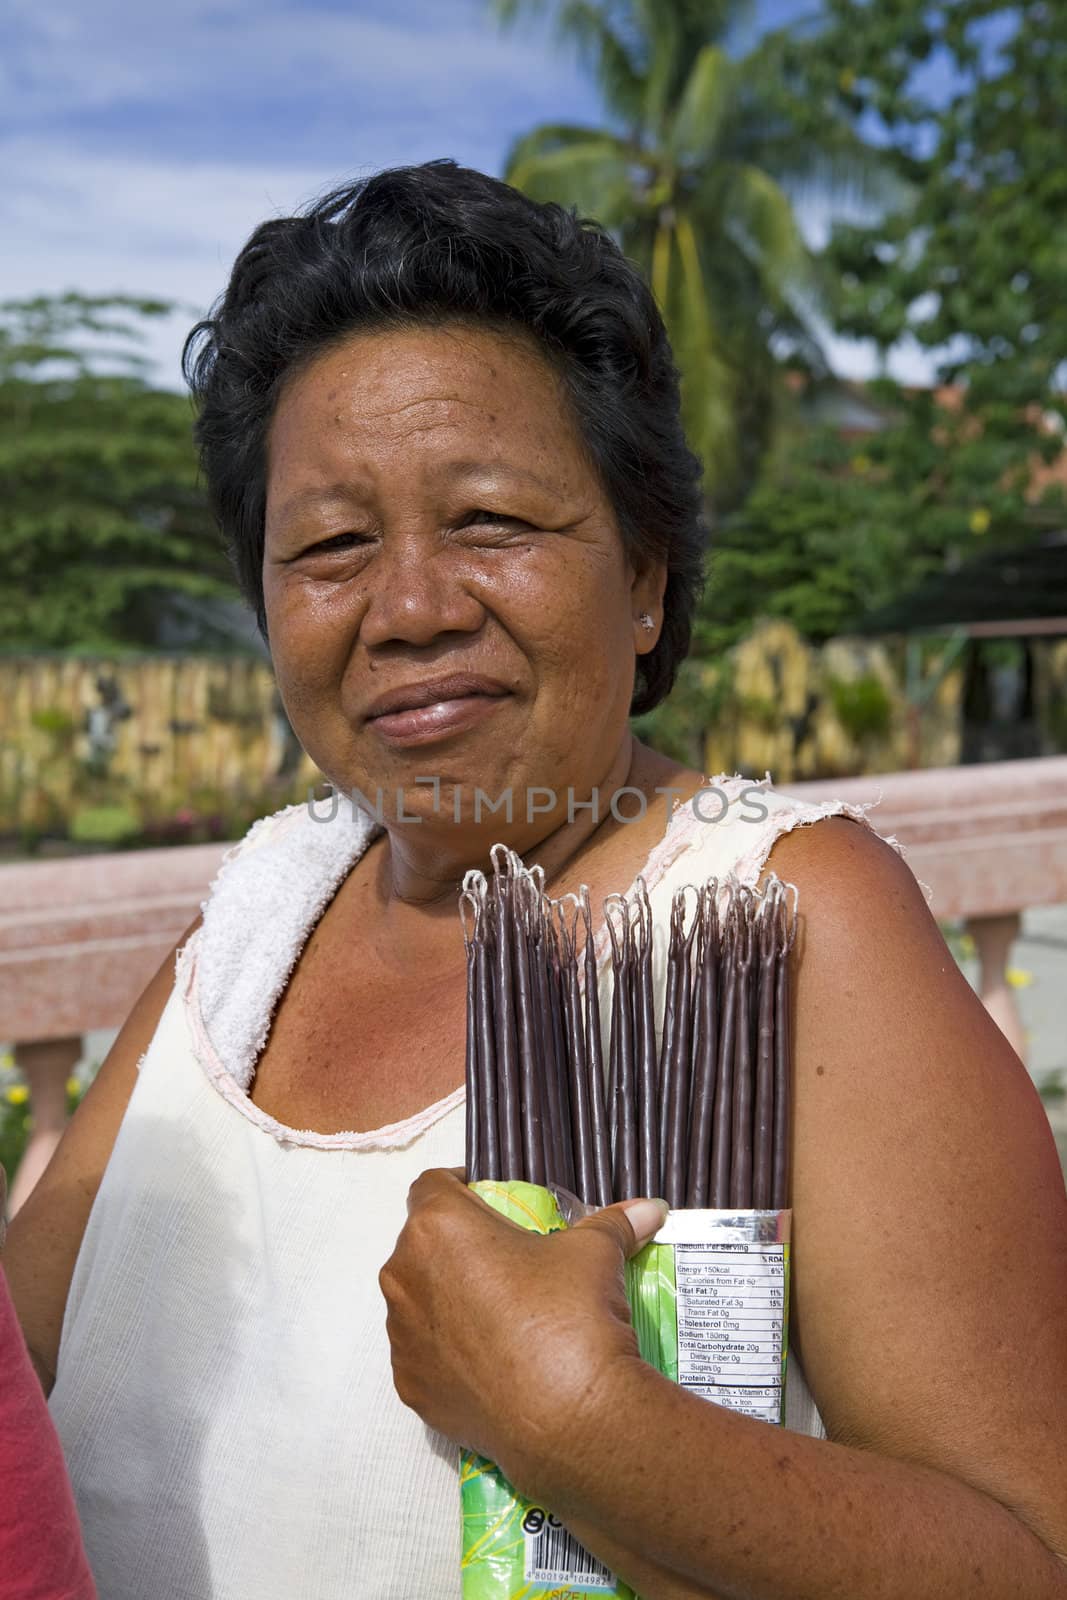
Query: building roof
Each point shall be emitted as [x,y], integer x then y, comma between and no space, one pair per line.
[1009,592]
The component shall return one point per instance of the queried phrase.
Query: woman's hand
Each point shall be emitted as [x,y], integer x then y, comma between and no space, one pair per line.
[504,1339]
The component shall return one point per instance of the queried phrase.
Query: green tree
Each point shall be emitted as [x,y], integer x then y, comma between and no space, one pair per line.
[101,516]
[696,172]
[975,269]
[834,528]
[967,101]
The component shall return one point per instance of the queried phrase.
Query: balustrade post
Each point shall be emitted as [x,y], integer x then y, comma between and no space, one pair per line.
[993,939]
[46,1065]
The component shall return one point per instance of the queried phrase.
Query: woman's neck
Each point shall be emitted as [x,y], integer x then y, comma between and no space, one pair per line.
[422,867]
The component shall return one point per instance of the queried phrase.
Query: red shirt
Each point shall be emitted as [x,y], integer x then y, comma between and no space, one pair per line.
[41,1552]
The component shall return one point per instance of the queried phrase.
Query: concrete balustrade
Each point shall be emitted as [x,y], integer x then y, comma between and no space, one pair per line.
[80,938]
[988,841]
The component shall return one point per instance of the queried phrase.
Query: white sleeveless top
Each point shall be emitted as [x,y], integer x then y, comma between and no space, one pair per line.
[224,1393]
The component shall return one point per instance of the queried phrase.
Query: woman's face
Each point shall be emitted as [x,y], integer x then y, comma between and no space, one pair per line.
[446,589]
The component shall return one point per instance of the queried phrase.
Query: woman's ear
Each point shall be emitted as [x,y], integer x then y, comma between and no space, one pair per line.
[646,601]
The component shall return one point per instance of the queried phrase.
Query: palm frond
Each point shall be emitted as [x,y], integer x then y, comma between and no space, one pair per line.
[700,189]
[705,103]
[660,274]
[548,137]
[598,32]
[797,285]
[508,10]
[607,53]
[708,383]
[663,53]
[762,219]
[594,175]
[838,169]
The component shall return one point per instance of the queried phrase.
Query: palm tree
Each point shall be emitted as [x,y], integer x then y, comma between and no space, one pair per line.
[696,175]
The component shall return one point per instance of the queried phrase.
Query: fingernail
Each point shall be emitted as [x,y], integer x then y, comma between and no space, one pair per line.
[646,1217]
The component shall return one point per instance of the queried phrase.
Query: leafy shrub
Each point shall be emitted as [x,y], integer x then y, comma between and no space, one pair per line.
[108,825]
[862,706]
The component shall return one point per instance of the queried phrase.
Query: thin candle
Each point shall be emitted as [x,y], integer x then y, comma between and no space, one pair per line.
[744,1084]
[645,1030]
[706,1055]
[722,1132]
[763,1159]
[594,1050]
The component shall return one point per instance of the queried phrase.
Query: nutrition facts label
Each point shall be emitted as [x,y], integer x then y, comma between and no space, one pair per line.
[731,1305]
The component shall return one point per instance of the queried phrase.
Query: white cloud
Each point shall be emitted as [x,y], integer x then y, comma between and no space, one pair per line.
[166,230]
[171,229]
[69,58]
[148,141]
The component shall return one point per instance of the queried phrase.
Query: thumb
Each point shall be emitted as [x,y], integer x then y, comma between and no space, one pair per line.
[631,1223]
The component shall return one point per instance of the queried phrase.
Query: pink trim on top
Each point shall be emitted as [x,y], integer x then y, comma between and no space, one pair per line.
[392,1137]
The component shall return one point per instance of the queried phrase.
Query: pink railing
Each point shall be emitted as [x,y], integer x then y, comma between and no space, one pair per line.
[80,938]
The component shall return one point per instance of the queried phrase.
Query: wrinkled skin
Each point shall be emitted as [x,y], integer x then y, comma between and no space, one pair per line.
[562,1299]
[431,509]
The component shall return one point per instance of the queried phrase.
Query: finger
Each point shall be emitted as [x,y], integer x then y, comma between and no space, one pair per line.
[434,1184]
[630,1224]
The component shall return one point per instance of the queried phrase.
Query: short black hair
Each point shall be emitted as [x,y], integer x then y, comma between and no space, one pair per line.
[429,244]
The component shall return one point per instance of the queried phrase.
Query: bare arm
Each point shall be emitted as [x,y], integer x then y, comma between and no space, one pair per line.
[45,1237]
[930,1259]
[930,1255]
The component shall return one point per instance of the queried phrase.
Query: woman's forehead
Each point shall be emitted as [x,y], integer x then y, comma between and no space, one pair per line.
[452,398]
[375,375]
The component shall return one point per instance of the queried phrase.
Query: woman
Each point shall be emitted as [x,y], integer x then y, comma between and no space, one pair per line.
[439,424]
[41,1554]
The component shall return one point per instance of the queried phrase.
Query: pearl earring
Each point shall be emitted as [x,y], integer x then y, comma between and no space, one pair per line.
[646,621]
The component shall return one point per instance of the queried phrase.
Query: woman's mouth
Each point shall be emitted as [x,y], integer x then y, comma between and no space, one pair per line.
[422,724]
[419,713]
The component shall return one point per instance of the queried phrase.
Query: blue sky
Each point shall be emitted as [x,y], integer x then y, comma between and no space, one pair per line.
[142,142]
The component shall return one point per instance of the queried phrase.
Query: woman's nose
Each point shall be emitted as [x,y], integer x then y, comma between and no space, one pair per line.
[416,594]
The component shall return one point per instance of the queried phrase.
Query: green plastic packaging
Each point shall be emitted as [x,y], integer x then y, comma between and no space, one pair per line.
[709,1298]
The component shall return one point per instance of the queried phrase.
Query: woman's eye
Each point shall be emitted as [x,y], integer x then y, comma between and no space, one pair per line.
[497,519]
[337,541]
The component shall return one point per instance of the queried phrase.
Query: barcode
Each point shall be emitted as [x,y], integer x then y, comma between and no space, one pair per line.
[554,1556]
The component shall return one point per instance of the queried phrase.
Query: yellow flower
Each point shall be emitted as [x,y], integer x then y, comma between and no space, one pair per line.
[980,520]
[73,1086]
[1018,978]
[17,1095]
[860,463]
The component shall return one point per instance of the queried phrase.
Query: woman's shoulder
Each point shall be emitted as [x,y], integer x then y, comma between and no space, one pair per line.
[290,850]
[270,890]
[731,823]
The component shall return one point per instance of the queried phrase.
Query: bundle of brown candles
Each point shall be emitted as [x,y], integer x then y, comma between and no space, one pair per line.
[700,1117]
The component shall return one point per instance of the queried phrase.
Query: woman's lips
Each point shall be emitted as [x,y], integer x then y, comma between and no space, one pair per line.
[424,724]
